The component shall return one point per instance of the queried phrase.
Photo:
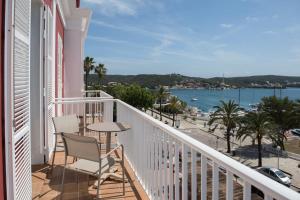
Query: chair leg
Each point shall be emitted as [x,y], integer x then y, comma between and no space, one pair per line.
[98,188]
[54,152]
[62,184]
[123,171]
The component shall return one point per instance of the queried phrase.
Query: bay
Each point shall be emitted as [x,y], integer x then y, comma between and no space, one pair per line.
[207,99]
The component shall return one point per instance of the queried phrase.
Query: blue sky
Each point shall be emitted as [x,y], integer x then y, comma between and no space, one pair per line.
[195,37]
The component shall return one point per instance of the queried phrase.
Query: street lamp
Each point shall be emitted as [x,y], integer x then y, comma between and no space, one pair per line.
[217,143]
[177,123]
[278,149]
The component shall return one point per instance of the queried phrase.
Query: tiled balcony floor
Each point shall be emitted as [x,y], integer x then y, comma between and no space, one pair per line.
[47,185]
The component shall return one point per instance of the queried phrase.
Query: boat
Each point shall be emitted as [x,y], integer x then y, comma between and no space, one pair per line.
[194,99]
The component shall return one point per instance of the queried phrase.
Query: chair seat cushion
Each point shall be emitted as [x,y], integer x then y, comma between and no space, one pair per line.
[91,167]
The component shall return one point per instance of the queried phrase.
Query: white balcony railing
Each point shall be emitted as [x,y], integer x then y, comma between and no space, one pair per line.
[168,163]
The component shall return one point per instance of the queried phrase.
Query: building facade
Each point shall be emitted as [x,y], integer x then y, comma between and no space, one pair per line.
[41,42]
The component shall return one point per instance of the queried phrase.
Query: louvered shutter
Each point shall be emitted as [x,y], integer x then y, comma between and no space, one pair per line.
[21,143]
[48,52]
[59,72]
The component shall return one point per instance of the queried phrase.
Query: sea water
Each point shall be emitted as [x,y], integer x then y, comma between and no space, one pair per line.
[207,99]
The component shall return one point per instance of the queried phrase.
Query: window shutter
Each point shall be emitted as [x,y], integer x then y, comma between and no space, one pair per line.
[21,144]
[49,45]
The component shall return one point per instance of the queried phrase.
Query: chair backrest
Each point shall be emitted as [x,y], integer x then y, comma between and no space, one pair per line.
[81,147]
[66,124]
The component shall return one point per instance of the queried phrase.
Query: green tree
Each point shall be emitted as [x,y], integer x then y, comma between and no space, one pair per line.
[175,106]
[227,114]
[256,125]
[283,114]
[88,65]
[161,95]
[101,72]
[134,95]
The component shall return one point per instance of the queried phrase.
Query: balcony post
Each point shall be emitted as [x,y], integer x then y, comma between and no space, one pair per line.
[203,177]
[215,184]
[229,185]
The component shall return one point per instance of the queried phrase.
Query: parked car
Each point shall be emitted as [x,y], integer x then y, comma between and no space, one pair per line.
[275,174]
[296,132]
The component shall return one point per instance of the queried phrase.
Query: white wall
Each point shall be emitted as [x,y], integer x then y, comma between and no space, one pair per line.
[73,75]
[36,87]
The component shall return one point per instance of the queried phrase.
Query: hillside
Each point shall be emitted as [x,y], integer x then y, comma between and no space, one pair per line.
[153,80]
[145,80]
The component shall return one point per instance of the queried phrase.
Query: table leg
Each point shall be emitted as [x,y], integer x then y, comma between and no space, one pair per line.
[108,141]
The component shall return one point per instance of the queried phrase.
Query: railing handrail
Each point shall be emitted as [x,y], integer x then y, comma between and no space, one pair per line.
[97,91]
[253,177]
[82,100]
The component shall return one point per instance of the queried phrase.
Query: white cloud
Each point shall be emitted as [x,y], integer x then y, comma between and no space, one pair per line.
[252,19]
[115,7]
[293,29]
[104,39]
[270,32]
[231,56]
[226,25]
[123,7]
[138,30]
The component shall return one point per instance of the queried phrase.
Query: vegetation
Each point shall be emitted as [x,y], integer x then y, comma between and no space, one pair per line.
[88,65]
[257,125]
[161,96]
[175,106]
[154,80]
[283,113]
[134,95]
[227,114]
[101,72]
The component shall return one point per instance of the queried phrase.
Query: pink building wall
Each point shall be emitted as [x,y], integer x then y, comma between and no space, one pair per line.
[2,148]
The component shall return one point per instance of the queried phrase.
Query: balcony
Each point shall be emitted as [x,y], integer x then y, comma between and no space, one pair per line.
[161,162]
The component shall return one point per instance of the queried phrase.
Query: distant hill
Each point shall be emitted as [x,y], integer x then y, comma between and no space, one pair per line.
[244,81]
[145,80]
[153,80]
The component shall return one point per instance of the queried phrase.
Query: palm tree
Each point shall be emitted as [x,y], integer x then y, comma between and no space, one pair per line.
[256,125]
[283,113]
[88,65]
[101,71]
[175,105]
[161,95]
[227,114]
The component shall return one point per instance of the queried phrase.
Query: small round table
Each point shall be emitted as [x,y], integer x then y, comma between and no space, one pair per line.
[109,127]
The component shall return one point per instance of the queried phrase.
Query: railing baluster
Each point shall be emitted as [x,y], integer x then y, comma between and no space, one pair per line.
[160,160]
[171,170]
[184,172]
[203,177]
[229,185]
[215,183]
[194,174]
[247,191]
[152,163]
[176,171]
[157,163]
[165,154]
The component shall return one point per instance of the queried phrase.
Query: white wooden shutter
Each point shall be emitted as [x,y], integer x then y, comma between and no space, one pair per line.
[49,97]
[59,73]
[21,143]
